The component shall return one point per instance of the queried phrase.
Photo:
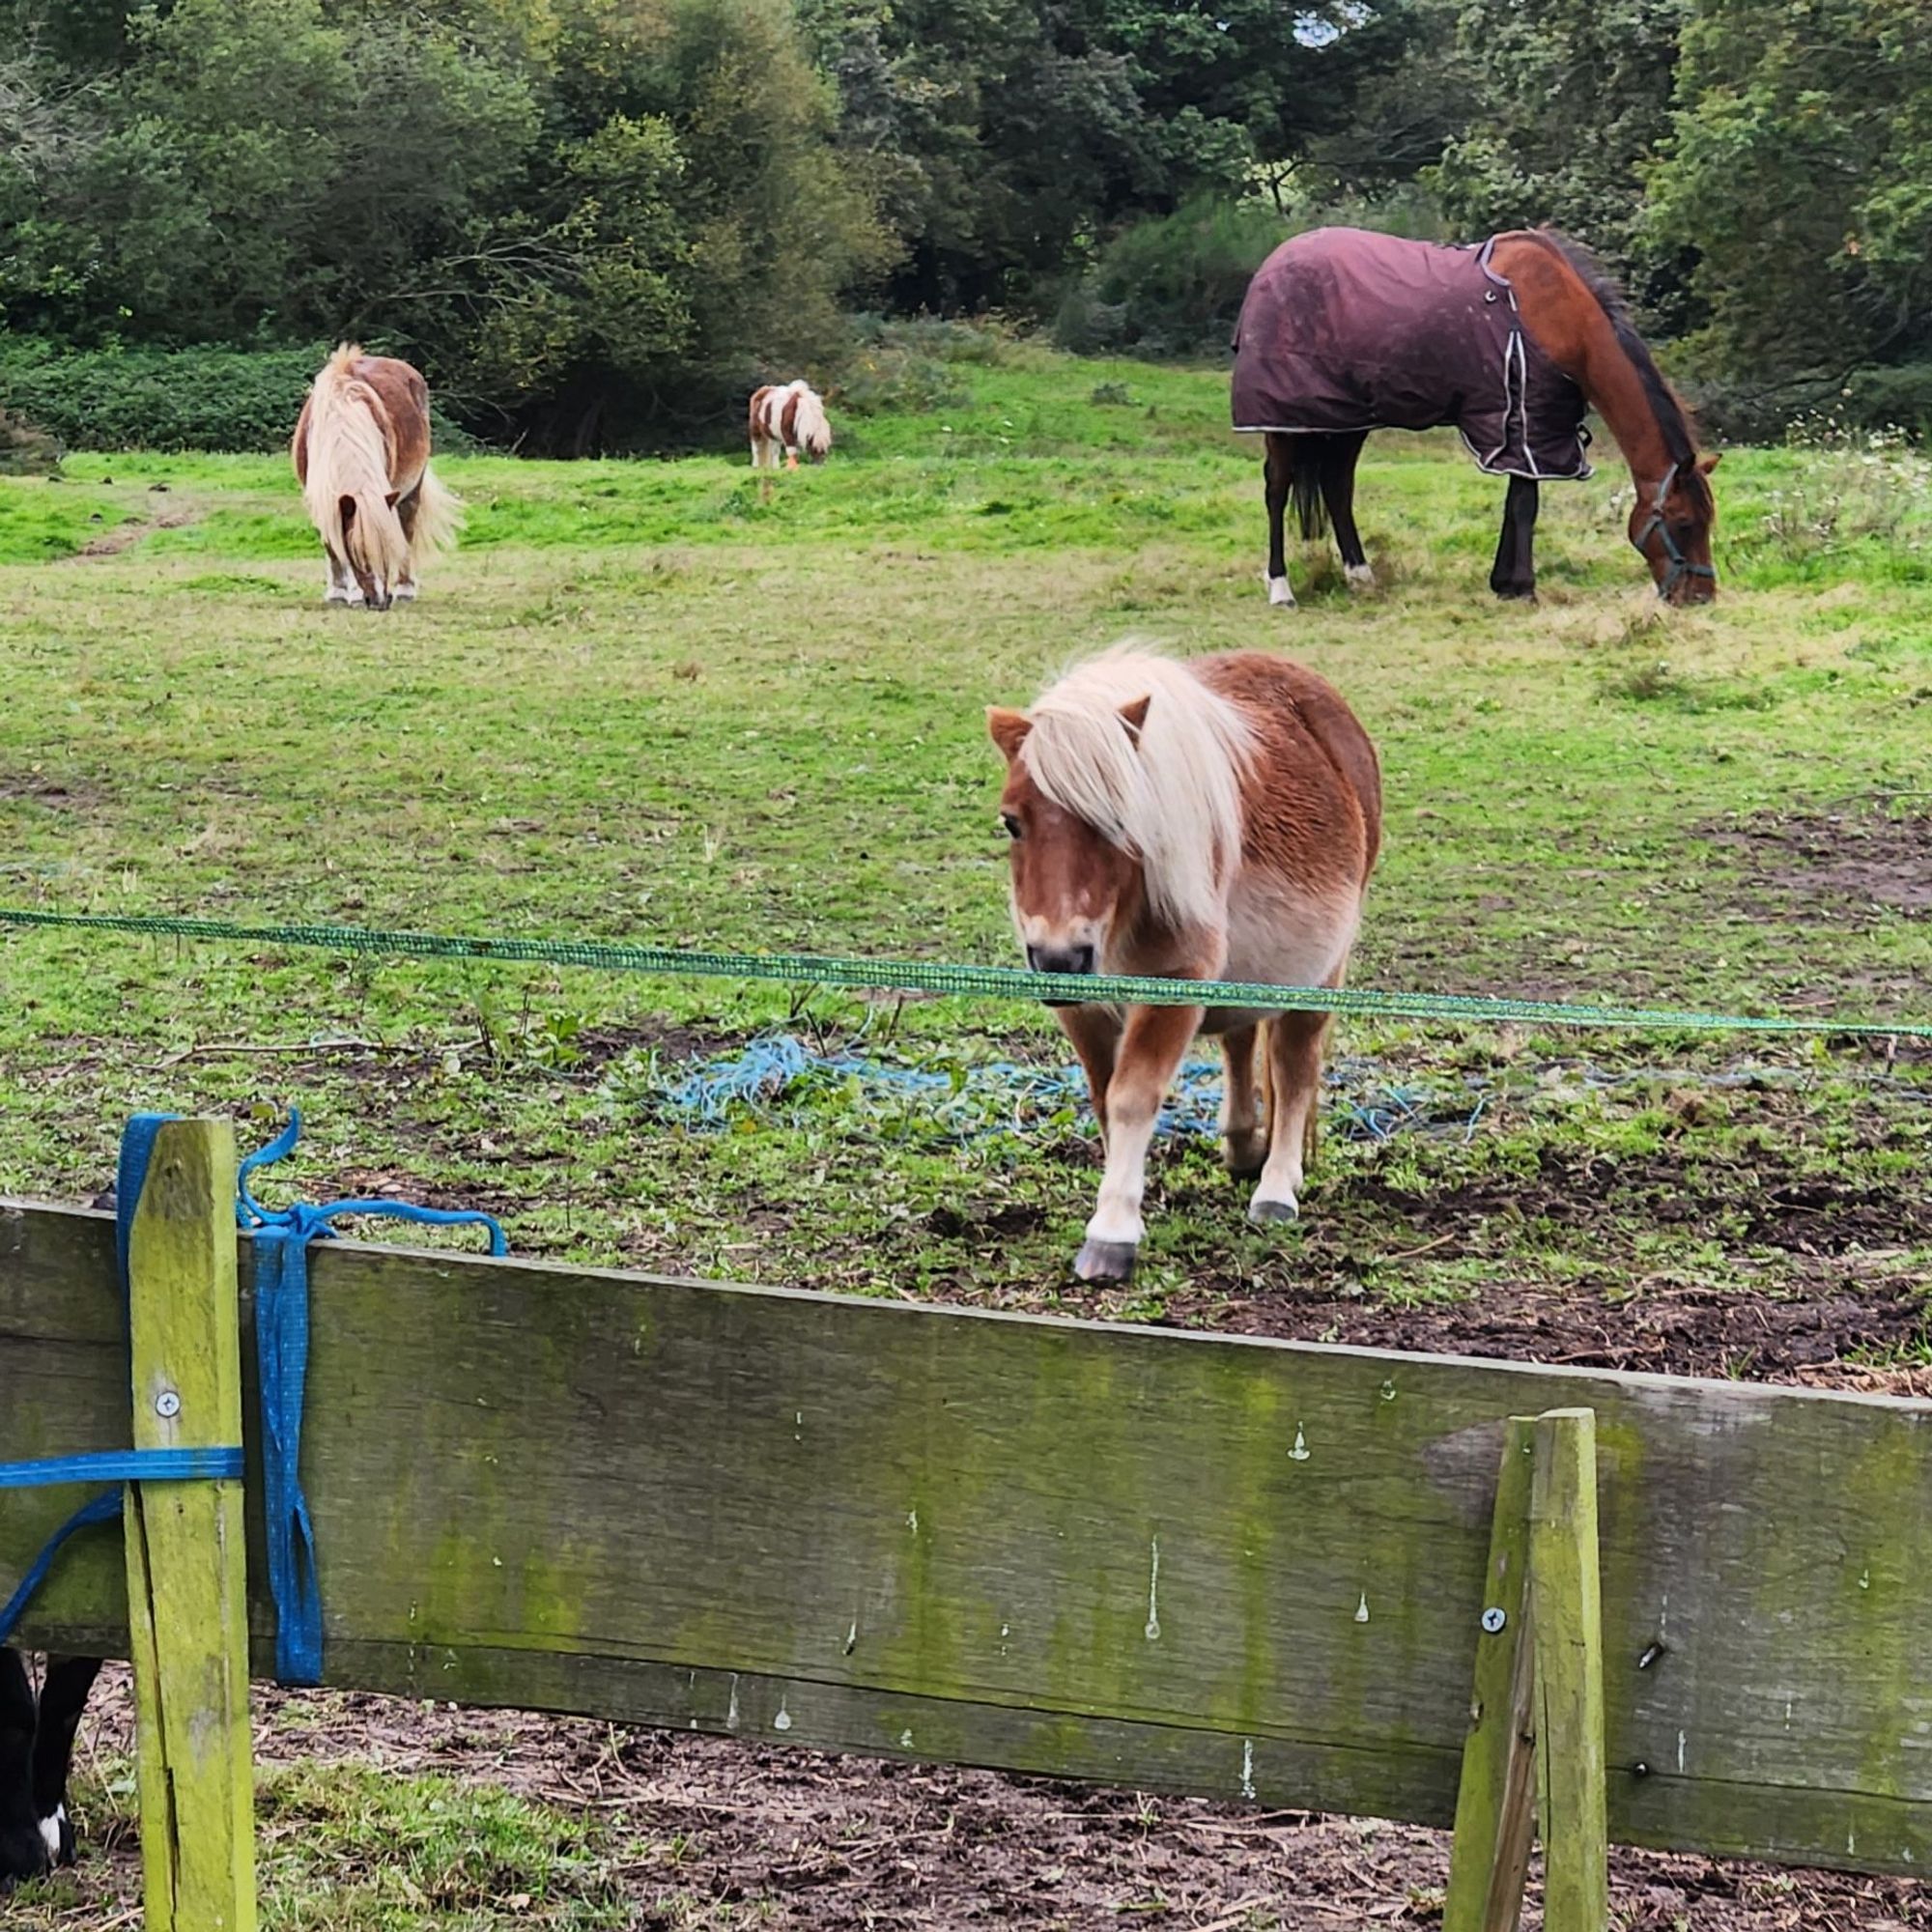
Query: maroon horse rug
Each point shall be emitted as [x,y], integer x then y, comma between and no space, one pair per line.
[1344,331]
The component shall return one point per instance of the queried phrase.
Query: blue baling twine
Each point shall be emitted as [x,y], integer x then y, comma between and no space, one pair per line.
[119,1466]
[280,1238]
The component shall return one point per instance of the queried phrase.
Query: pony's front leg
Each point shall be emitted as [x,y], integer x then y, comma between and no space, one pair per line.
[1095,1035]
[1294,1086]
[342,588]
[1152,1045]
[1243,1137]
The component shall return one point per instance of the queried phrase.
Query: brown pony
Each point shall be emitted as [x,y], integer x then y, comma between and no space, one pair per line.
[361,454]
[1344,331]
[1216,819]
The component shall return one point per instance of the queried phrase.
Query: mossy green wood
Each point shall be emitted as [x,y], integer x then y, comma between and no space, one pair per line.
[1565,1634]
[1496,1811]
[1188,1562]
[186,1587]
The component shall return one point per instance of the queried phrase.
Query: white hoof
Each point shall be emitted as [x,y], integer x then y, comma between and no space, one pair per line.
[1279,592]
[1265,1212]
[404,593]
[1360,576]
[335,594]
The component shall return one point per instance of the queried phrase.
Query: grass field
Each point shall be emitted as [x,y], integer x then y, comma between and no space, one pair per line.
[640,703]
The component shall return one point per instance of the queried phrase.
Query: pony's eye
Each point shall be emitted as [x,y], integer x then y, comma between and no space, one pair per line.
[1011,824]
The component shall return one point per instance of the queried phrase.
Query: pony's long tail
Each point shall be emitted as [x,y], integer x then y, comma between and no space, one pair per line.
[439,517]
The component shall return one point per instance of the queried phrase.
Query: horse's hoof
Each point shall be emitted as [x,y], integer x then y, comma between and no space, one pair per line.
[1360,576]
[1105,1261]
[405,593]
[1519,593]
[1280,593]
[1269,1214]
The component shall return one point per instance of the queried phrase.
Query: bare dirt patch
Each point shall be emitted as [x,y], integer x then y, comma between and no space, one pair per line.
[1849,864]
[111,543]
[742,1834]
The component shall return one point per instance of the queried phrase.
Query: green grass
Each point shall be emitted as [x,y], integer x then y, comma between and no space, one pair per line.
[642,704]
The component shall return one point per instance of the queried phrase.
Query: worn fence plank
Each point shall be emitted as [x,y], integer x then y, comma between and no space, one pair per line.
[184,1541]
[1198,1563]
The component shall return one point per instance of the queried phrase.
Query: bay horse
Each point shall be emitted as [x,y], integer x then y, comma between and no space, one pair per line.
[1343,332]
[1211,819]
[361,456]
[786,418]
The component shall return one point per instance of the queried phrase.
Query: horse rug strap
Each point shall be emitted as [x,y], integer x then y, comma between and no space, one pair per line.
[1344,330]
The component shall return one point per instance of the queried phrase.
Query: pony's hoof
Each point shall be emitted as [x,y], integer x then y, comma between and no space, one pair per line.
[334,596]
[1360,576]
[1264,1213]
[404,593]
[1105,1261]
[1280,593]
[1246,1154]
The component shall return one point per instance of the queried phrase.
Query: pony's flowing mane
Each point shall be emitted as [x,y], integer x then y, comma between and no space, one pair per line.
[1666,405]
[1172,797]
[348,456]
[811,432]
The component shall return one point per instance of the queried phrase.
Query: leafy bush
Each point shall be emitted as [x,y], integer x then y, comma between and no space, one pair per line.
[1173,285]
[119,398]
[122,398]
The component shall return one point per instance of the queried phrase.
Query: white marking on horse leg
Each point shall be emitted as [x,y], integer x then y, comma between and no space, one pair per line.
[1360,576]
[406,589]
[1279,592]
[51,1833]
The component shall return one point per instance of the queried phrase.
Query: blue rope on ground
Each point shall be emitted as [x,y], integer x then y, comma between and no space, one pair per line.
[281,1238]
[280,1241]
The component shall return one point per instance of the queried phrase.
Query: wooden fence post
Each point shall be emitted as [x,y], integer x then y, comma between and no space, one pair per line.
[186,1589]
[1568,1636]
[1536,1736]
[1494,1805]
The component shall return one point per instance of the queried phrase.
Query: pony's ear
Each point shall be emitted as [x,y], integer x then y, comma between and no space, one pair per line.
[1710,459]
[393,498]
[1133,715]
[347,506]
[1007,729]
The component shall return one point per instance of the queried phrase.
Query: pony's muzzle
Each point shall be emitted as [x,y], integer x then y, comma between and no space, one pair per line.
[1061,958]
[1074,961]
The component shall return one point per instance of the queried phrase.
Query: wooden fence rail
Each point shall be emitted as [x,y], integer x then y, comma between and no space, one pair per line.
[1239,1568]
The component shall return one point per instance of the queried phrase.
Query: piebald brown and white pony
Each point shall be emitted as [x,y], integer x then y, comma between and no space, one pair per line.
[786,418]
[361,456]
[1212,819]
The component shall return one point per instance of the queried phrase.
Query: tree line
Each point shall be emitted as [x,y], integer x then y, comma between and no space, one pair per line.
[596,222]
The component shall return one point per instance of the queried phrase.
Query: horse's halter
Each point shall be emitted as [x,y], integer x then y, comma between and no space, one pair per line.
[1680,566]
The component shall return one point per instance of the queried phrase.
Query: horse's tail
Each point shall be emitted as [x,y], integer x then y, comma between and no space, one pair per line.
[438,516]
[347,490]
[1304,484]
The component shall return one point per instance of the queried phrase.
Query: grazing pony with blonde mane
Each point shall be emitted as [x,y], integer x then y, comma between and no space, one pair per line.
[361,455]
[1215,819]
[787,419]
